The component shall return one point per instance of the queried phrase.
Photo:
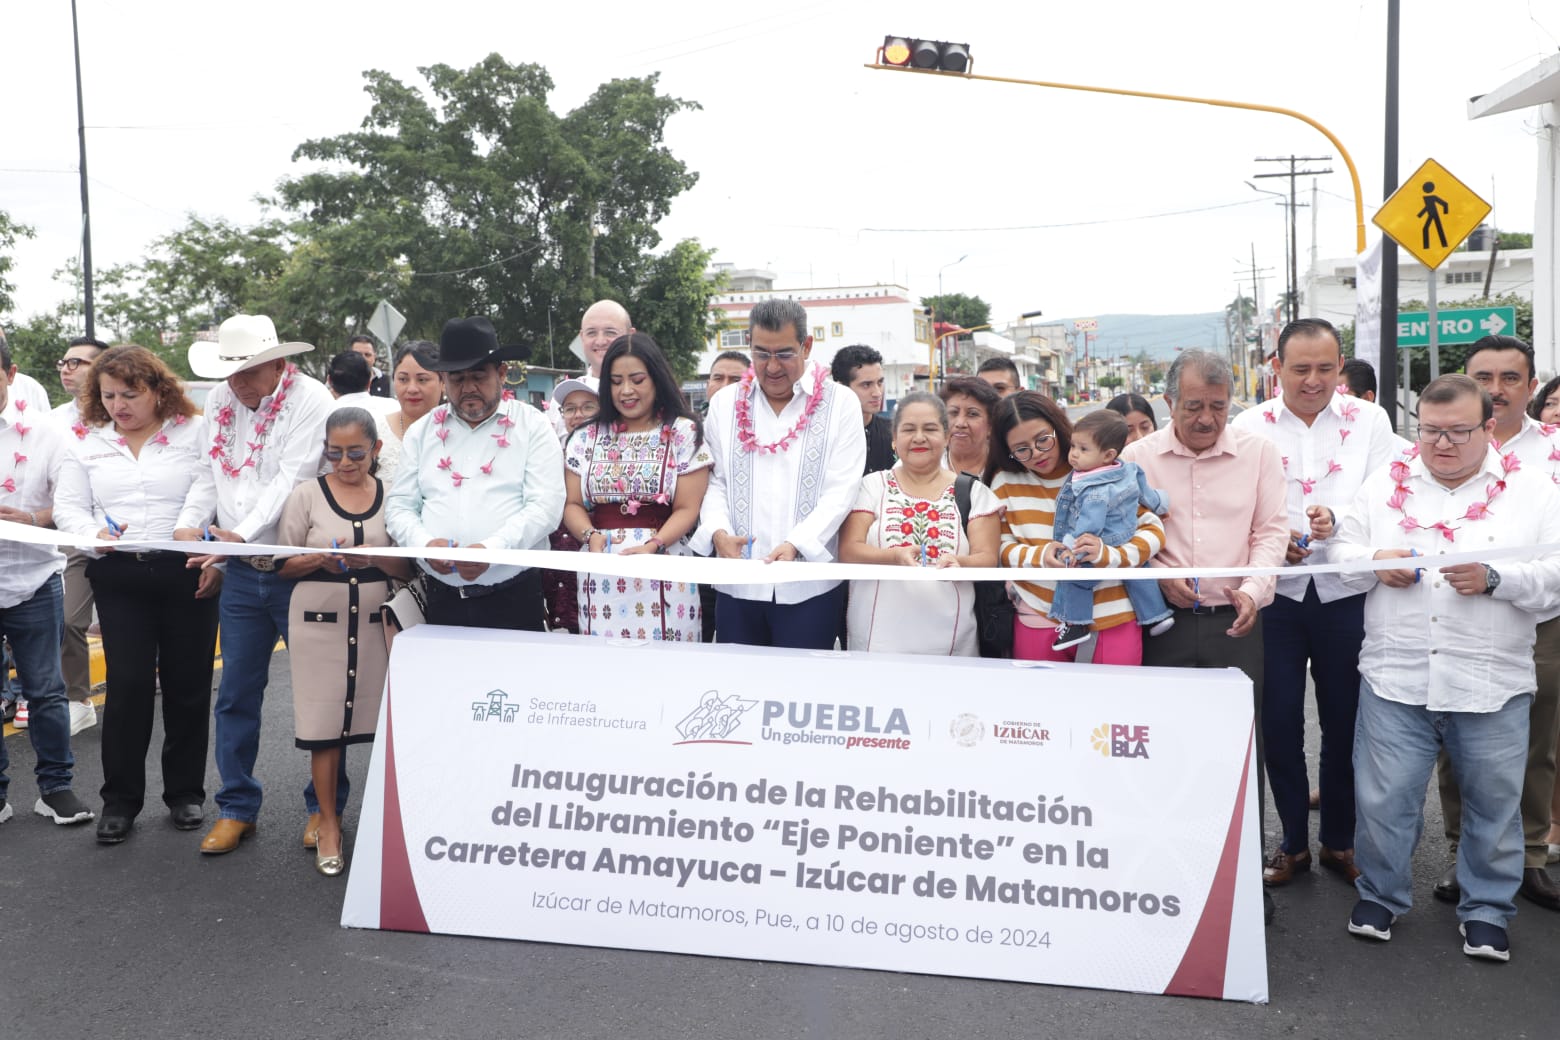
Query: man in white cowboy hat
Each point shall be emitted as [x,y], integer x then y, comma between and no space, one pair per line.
[269,420]
[478,472]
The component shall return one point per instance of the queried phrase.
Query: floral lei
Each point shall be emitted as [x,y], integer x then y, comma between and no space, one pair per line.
[441,418]
[1399,471]
[17,458]
[745,433]
[1348,411]
[225,437]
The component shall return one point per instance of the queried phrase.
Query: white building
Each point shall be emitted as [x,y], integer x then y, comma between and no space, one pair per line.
[1329,285]
[883,317]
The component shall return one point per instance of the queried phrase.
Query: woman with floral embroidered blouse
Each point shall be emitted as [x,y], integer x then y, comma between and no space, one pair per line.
[909,516]
[635,480]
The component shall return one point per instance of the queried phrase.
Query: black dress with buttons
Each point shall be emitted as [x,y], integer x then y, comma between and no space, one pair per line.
[335,632]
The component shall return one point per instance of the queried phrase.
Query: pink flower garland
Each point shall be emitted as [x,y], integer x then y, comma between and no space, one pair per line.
[1399,471]
[441,416]
[1348,411]
[745,435]
[9,483]
[225,437]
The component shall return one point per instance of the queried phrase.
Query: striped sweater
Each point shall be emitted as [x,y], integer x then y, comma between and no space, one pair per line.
[1030,503]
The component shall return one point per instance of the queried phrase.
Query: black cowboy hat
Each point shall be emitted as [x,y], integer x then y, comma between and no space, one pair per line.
[467,342]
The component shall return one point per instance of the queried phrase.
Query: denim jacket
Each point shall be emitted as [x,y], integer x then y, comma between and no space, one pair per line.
[1104,502]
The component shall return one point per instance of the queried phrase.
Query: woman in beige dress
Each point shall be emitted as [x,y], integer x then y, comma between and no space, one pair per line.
[335,641]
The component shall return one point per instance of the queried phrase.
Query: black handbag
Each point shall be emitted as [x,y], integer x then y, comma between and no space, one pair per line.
[994,611]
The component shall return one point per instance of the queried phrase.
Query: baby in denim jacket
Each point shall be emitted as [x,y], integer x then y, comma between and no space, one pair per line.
[1101,498]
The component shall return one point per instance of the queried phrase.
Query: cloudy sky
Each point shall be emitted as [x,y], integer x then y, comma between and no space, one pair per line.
[810,165]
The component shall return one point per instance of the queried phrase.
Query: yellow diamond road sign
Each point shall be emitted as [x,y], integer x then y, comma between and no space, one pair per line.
[1431,214]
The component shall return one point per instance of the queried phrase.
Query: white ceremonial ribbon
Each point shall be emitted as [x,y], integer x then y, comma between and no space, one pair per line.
[702,570]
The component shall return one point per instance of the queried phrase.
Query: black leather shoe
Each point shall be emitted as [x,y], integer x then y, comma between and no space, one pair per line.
[1538,887]
[186,817]
[111,830]
[1447,890]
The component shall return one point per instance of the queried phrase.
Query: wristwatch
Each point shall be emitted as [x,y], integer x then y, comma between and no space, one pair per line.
[1491,580]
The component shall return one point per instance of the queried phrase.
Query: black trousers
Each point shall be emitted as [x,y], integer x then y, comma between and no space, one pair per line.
[154,627]
[516,604]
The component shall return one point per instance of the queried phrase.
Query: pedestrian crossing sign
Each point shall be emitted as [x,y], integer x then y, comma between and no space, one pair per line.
[1431,214]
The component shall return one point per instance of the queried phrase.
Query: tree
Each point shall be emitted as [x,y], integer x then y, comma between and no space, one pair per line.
[473,197]
[1514,239]
[10,231]
[673,304]
[967,312]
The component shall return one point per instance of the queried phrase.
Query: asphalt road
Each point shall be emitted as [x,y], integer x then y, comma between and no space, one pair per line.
[150,939]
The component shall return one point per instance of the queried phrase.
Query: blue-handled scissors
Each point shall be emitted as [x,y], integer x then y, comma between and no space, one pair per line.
[1304,541]
[207,536]
[335,543]
[113,528]
[1418,571]
[747,550]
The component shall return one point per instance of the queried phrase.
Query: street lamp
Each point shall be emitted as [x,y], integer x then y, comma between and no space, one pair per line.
[887,54]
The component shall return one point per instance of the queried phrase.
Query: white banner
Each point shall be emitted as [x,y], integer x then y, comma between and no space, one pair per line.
[1367,310]
[1076,825]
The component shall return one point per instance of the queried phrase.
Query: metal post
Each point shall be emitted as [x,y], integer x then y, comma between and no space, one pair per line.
[1387,392]
[86,218]
[1407,356]
[1435,345]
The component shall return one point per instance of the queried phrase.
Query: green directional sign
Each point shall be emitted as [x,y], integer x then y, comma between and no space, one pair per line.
[1460,325]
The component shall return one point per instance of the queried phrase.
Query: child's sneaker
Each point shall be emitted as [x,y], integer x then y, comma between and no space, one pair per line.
[1070,635]
[1162,627]
[22,717]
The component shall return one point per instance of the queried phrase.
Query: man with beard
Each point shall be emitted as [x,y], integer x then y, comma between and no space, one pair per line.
[478,473]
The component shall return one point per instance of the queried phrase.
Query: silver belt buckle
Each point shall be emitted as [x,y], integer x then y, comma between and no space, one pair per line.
[263,564]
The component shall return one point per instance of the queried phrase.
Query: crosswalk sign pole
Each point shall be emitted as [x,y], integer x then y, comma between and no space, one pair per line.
[1434,329]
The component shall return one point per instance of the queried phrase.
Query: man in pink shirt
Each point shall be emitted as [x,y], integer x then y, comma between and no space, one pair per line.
[1227,509]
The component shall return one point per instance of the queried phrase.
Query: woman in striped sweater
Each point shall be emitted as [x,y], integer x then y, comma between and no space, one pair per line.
[1030,438]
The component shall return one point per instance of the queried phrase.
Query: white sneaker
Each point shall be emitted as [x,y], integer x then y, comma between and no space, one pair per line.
[82,716]
[1160,628]
[20,722]
[6,812]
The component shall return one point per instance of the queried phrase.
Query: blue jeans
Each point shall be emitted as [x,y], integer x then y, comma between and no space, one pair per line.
[1326,636]
[33,628]
[252,614]
[1073,601]
[1395,747]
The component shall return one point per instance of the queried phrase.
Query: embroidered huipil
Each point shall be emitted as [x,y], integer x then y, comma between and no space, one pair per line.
[1226,507]
[32,449]
[147,495]
[1349,440]
[250,504]
[1428,644]
[799,496]
[508,496]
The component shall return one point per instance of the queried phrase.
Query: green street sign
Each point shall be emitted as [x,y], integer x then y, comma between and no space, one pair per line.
[1460,325]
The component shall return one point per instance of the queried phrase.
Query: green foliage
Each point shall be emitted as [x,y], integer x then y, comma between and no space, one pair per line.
[1110,382]
[1514,239]
[967,312]
[672,305]
[10,231]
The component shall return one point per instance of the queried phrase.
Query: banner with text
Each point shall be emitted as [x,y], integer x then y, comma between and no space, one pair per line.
[1070,824]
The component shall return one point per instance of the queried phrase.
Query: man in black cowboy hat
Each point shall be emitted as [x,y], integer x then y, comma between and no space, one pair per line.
[478,472]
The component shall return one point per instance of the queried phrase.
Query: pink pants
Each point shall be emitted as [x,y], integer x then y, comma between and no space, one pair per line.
[1122,644]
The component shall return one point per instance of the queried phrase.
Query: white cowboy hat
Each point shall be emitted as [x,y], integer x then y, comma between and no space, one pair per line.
[243,341]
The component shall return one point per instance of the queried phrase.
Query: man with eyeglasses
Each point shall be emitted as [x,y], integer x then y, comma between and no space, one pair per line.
[789,453]
[1447,662]
[75,657]
[1329,443]
[602,322]
[1228,508]
[1503,368]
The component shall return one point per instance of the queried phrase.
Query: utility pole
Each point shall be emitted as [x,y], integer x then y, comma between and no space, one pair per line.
[86,218]
[1256,305]
[1386,393]
[1292,310]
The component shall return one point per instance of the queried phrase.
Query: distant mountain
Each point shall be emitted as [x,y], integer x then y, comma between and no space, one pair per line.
[1158,334]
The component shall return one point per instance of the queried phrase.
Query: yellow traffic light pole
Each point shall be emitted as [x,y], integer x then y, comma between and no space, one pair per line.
[1354,176]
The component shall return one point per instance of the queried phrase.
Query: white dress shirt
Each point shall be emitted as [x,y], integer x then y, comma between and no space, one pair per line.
[514,506]
[250,504]
[1352,435]
[68,414]
[378,407]
[799,496]
[147,495]
[1428,644]
[1538,446]
[28,485]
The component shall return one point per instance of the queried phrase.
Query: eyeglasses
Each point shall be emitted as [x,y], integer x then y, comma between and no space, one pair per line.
[355,454]
[70,364]
[785,357]
[1432,435]
[583,411]
[1022,452]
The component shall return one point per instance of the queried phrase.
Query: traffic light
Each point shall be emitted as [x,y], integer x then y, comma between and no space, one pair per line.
[934,55]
